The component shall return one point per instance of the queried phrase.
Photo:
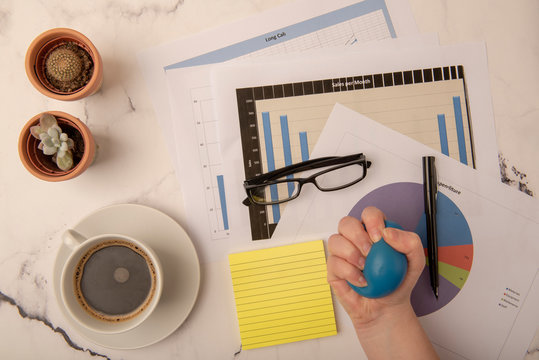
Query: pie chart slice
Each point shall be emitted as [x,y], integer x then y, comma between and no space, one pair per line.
[403,203]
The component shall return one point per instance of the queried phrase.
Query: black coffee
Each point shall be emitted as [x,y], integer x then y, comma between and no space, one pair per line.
[115,280]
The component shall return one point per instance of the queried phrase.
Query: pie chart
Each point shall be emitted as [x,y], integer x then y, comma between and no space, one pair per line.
[403,203]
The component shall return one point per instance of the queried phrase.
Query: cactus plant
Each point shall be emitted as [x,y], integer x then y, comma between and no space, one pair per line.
[63,64]
[51,45]
[53,141]
[68,67]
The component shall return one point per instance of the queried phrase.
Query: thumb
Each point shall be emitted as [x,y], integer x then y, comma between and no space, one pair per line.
[410,245]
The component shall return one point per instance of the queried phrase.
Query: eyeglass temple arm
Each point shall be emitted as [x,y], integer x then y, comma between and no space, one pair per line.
[305,165]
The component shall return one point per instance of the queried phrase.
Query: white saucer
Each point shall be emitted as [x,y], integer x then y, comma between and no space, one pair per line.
[178,257]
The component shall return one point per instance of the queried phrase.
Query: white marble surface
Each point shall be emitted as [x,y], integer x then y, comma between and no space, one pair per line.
[133,165]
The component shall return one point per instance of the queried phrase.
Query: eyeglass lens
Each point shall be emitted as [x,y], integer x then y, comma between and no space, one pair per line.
[337,178]
[276,192]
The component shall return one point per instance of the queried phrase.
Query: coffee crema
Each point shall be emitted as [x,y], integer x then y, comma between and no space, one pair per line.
[115,280]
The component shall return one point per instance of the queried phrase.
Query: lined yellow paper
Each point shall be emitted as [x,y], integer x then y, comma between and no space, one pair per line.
[282,294]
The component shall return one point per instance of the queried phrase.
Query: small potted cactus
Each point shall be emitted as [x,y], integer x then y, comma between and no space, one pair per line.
[55,146]
[64,64]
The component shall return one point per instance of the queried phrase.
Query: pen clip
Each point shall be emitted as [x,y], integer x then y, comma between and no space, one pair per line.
[434,176]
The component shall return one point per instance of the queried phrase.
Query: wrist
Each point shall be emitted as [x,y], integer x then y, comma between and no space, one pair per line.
[381,336]
[395,334]
[389,318]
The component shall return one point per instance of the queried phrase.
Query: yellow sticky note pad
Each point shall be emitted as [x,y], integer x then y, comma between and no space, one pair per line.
[282,294]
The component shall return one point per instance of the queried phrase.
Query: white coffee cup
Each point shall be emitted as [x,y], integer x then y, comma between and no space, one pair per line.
[110,283]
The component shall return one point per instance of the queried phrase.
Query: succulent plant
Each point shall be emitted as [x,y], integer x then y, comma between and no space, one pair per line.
[53,141]
[63,64]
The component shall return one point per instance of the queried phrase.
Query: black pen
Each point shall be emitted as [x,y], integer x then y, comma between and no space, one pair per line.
[430,191]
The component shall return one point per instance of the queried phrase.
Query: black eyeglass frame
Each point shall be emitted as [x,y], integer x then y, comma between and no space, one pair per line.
[269,178]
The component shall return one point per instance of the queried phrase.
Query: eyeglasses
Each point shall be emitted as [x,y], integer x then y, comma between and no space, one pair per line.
[279,185]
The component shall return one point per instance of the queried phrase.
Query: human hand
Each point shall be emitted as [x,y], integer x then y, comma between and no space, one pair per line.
[348,250]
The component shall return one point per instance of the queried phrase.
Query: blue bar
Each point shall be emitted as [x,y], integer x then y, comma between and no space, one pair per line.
[287,149]
[268,141]
[286,140]
[304,146]
[443,134]
[287,33]
[460,130]
[221,185]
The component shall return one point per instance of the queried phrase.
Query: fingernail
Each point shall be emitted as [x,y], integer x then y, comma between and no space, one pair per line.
[366,248]
[361,281]
[388,233]
[376,235]
[361,263]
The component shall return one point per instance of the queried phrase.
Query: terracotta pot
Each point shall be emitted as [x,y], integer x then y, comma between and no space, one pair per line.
[41,165]
[42,46]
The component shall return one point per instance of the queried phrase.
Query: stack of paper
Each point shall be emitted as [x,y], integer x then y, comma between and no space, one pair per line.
[489,274]
[419,96]
[187,110]
[282,294]
[242,105]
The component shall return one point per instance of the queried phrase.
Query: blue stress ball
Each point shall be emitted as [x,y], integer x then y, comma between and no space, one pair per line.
[384,269]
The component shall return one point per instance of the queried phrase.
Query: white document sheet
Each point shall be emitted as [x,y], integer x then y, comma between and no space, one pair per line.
[232,76]
[204,175]
[232,41]
[189,123]
[488,261]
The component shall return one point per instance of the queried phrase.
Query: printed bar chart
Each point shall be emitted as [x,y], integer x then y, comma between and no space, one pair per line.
[281,151]
[428,105]
[210,164]
[289,148]
[358,23]
[459,128]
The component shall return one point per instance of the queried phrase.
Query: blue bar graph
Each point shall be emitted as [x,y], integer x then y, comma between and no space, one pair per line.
[275,154]
[443,134]
[460,129]
[270,157]
[221,186]
[287,150]
[304,146]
